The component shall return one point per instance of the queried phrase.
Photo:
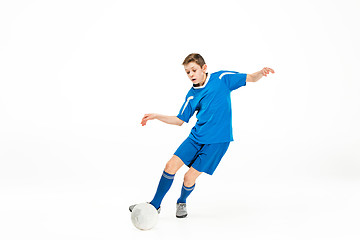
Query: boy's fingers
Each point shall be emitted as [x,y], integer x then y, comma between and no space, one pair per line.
[267,70]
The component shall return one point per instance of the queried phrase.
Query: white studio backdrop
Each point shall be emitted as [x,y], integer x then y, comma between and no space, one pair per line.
[76,77]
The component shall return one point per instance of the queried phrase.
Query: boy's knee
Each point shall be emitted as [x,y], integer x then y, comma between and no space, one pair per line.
[189,179]
[173,165]
[169,167]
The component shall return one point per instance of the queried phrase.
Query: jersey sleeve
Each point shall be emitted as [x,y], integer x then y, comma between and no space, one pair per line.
[187,110]
[233,80]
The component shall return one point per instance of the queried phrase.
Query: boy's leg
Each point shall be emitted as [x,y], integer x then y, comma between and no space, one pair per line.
[173,165]
[167,178]
[190,177]
[189,184]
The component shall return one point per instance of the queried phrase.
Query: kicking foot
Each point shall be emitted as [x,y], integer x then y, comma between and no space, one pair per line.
[181,211]
[132,207]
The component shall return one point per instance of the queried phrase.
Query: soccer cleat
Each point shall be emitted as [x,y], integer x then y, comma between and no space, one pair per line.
[132,207]
[181,211]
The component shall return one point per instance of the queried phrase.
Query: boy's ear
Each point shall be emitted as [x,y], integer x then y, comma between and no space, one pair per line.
[204,68]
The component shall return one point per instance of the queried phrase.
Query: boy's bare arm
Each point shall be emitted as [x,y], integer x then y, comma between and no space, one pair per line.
[166,119]
[254,77]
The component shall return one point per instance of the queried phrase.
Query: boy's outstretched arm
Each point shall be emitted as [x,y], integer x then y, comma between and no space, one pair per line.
[254,77]
[166,119]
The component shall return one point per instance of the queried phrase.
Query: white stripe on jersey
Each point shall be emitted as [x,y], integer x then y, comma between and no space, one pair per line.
[225,74]
[187,101]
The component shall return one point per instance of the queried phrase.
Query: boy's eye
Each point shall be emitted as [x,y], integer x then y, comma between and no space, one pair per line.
[187,72]
[194,70]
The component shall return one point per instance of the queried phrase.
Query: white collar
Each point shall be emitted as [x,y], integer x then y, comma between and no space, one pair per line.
[206,81]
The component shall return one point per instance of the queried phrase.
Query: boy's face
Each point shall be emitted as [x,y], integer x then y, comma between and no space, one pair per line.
[195,73]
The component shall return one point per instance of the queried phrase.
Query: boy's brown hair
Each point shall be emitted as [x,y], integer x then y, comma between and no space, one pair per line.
[194,57]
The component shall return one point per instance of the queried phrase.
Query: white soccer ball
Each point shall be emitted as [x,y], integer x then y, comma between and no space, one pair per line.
[144,216]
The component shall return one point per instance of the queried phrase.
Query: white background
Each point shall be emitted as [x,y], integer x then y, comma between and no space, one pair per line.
[76,78]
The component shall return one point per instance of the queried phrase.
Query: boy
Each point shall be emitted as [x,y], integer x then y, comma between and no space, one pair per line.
[209,139]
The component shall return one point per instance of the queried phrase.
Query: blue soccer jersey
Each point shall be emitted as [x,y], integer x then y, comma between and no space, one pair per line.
[213,105]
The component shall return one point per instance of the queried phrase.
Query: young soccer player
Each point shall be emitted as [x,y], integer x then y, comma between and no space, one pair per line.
[209,139]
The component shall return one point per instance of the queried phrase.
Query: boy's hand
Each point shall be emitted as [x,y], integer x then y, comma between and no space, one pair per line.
[147,117]
[265,71]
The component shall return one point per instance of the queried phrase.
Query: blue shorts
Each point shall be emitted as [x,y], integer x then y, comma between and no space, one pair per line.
[202,157]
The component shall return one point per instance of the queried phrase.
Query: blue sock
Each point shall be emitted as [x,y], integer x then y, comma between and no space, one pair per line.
[185,192]
[163,187]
